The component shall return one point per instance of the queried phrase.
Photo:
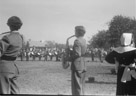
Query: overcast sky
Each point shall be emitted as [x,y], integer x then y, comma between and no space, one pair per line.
[55,19]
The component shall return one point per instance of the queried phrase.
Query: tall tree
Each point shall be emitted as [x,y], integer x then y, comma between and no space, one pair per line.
[111,37]
[118,25]
[99,40]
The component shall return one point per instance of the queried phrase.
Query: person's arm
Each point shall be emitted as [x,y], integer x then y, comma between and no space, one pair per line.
[4,44]
[110,57]
[76,50]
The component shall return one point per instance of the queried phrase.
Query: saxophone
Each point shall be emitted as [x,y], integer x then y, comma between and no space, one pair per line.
[66,54]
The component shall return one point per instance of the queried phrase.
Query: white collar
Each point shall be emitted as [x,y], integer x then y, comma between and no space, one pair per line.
[124,49]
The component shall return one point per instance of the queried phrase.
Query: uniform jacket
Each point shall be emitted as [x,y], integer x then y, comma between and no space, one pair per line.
[10,46]
[79,50]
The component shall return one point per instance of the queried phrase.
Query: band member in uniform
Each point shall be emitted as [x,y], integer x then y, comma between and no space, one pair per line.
[22,54]
[45,54]
[78,66]
[33,53]
[10,46]
[92,54]
[27,54]
[100,54]
[50,54]
[56,53]
[39,54]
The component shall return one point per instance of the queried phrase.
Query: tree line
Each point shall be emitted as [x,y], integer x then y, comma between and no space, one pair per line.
[111,37]
[106,38]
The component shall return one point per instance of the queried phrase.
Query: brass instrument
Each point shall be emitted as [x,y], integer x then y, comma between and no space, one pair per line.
[66,54]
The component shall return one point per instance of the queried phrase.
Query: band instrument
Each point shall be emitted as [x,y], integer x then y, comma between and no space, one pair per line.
[66,55]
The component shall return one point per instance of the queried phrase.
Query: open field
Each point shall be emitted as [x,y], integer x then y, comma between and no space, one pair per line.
[49,78]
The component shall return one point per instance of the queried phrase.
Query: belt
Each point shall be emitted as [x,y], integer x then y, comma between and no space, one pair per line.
[8,58]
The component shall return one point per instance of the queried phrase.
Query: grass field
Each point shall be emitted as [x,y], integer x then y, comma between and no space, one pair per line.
[49,78]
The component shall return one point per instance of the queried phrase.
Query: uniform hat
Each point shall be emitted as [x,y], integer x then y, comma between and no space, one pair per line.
[80,28]
[14,21]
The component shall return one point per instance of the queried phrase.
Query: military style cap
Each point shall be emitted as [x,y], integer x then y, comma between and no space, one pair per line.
[80,28]
[14,20]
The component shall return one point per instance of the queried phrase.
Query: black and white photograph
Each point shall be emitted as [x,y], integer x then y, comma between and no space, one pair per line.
[68,47]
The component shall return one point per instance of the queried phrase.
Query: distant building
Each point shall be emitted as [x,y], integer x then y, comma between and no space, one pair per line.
[37,44]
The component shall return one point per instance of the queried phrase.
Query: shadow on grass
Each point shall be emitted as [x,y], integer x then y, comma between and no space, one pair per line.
[100,82]
[107,73]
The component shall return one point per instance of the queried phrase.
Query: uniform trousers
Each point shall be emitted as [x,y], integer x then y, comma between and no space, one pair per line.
[78,82]
[8,77]
[8,84]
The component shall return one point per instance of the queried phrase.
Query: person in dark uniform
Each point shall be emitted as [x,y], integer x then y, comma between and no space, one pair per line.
[78,66]
[124,57]
[50,54]
[39,54]
[33,53]
[45,54]
[22,55]
[27,54]
[10,46]
[56,54]
[92,54]
[100,54]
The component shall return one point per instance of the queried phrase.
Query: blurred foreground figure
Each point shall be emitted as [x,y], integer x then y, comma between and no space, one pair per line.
[10,45]
[124,57]
[78,65]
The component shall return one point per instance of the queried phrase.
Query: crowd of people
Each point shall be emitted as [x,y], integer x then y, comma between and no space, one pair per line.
[12,43]
[48,54]
[45,54]
[99,53]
